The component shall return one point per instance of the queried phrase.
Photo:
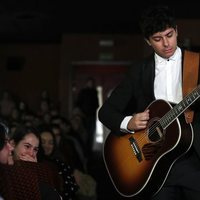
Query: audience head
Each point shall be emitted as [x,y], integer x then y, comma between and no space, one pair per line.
[26,141]
[56,130]
[90,82]
[48,142]
[5,146]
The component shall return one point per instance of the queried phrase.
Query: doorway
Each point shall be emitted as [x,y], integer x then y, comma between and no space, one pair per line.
[107,76]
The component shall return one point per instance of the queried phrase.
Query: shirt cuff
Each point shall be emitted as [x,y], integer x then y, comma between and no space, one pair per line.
[124,124]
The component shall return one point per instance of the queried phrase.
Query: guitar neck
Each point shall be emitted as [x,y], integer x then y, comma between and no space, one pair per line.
[179,108]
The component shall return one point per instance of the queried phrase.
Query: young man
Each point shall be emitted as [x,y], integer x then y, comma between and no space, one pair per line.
[127,110]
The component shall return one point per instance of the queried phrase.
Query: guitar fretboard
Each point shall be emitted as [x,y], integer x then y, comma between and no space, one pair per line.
[178,109]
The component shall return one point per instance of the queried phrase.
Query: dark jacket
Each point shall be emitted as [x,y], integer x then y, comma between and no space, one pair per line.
[134,94]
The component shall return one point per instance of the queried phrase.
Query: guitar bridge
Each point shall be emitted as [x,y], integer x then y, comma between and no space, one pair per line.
[135,148]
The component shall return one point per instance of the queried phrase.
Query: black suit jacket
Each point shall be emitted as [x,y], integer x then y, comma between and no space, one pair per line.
[134,94]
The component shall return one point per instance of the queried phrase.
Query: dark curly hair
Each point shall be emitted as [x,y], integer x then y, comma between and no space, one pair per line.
[156,19]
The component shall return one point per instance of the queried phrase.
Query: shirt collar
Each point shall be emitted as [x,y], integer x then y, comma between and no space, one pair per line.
[175,56]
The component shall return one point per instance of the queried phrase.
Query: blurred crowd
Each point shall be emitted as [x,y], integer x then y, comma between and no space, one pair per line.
[48,152]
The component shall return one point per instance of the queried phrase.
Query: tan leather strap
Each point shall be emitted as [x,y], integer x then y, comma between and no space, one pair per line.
[190,78]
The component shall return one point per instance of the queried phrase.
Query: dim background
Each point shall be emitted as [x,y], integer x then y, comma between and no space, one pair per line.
[55,45]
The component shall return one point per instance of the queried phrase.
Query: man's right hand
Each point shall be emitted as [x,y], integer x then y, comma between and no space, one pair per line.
[138,121]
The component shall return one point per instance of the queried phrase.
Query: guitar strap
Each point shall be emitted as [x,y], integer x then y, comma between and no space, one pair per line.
[190,78]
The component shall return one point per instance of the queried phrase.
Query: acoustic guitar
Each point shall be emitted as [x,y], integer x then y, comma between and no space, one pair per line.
[138,164]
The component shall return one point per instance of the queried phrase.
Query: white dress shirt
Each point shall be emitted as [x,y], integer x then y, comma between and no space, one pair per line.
[167,83]
[168,77]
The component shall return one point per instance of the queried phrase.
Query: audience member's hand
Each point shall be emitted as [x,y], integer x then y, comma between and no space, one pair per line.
[27,158]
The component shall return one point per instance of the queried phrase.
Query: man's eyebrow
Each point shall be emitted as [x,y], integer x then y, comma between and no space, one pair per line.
[159,36]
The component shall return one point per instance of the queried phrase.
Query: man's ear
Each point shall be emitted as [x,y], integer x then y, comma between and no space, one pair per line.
[148,42]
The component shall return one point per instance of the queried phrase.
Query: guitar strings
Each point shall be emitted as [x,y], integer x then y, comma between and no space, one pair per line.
[152,129]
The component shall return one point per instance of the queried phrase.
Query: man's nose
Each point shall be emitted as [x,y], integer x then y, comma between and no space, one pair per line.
[165,41]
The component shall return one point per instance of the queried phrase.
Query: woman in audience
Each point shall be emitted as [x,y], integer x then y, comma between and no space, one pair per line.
[52,154]
[69,144]
[26,143]
[70,175]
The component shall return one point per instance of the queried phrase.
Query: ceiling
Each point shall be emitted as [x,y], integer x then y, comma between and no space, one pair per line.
[47,20]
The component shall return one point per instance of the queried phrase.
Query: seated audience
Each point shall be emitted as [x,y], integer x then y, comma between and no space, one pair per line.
[52,154]
[71,147]
[26,142]
[86,183]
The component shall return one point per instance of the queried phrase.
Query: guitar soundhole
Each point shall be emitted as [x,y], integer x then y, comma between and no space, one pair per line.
[156,135]
[155,131]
